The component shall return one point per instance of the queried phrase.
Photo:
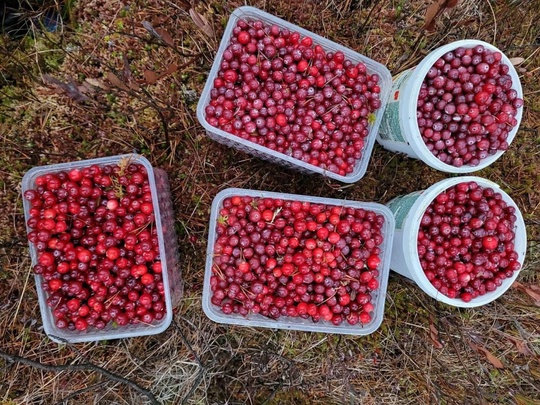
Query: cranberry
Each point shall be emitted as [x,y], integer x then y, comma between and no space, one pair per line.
[87,260]
[298,100]
[296,259]
[463,260]
[463,115]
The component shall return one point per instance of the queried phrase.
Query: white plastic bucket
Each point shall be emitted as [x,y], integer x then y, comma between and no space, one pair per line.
[399,130]
[408,211]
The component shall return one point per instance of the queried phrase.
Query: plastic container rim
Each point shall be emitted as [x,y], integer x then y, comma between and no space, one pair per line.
[408,114]
[60,336]
[411,228]
[289,322]
[381,70]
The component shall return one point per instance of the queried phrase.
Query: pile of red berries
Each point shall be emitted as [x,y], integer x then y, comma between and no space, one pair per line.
[279,90]
[97,248]
[466,241]
[277,257]
[467,106]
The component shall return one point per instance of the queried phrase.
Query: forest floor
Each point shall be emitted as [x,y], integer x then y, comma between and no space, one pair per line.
[59,103]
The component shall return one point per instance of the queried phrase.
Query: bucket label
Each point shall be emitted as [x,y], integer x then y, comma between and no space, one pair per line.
[390,129]
[400,207]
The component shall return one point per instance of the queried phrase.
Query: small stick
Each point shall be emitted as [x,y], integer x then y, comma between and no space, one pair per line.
[13,358]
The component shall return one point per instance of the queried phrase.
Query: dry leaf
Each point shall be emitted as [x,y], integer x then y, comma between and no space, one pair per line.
[436,8]
[86,88]
[517,60]
[150,76]
[71,88]
[494,360]
[431,13]
[165,36]
[532,291]
[524,400]
[534,371]
[134,86]
[127,70]
[535,287]
[115,81]
[434,335]
[97,83]
[201,22]
[173,67]
[150,28]
[521,346]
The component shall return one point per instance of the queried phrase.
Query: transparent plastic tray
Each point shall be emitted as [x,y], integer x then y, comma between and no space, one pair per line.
[297,323]
[385,83]
[168,250]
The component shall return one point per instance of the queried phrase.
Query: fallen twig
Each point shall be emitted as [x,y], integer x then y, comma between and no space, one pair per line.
[13,358]
[79,392]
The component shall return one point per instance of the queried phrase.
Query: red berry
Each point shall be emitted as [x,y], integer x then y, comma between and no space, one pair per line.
[365,318]
[46,259]
[55,284]
[325,312]
[322,233]
[482,97]
[81,324]
[373,261]
[230,76]
[147,279]
[138,270]
[281,120]
[73,304]
[113,253]
[75,175]
[466,297]
[84,255]
[490,242]
[302,66]
[333,238]
[306,41]
[156,267]
[243,267]
[147,208]
[244,38]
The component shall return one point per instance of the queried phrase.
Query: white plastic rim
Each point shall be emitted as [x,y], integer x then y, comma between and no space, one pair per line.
[373,67]
[408,123]
[108,333]
[405,243]
[297,323]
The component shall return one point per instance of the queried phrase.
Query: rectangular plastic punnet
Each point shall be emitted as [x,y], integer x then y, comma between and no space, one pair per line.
[385,83]
[168,250]
[297,323]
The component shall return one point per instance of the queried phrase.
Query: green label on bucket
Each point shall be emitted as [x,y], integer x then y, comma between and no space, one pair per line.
[400,207]
[390,129]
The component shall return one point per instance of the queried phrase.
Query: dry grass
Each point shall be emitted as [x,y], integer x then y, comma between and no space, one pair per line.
[424,352]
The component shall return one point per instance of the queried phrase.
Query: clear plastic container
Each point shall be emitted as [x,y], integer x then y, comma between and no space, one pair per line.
[385,83]
[409,210]
[399,130]
[297,323]
[168,250]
